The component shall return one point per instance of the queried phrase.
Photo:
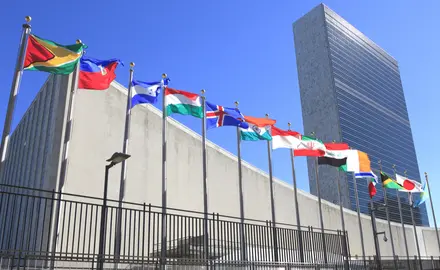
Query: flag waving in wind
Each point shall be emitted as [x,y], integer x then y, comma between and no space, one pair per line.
[408,184]
[46,55]
[218,116]
[144,92]
[259,129]
[96,74]
[423,196]
[302,145]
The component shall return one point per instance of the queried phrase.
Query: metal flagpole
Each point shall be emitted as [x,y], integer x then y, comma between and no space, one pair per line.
[344,232]
[205,184]
[341,209]
[401,218]
[414,224]
[388,219]
[164,177]
[68,133]
[361,231]
[376,241]
[240,190]
[14,92]
[320,208]
[272,201]
[432,209]
[124,164]
[295,193]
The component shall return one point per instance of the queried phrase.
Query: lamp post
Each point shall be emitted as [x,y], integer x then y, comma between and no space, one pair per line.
[376,233]
[114,159]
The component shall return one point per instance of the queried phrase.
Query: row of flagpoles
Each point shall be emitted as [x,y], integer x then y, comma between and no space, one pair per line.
[36,53]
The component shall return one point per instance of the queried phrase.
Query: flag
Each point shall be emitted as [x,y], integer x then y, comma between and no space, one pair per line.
[218,116]
[302,145]
[359,163]
[46,55]
[372,187]
[408,184]
[388,182]
[96,74]
[422,196]
[335,155]
[259,129]
[181,102]
[144,92]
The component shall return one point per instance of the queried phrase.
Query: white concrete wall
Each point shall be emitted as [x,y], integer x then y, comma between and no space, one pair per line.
[98,132]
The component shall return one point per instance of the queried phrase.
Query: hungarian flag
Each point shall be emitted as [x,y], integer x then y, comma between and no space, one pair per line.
[181,102]
[48,56]
[96,74]
[335,155]
[301,145]
[408,184]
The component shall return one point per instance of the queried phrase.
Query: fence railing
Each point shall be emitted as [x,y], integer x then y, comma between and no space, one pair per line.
[36,260]
[49,222]
[42,229]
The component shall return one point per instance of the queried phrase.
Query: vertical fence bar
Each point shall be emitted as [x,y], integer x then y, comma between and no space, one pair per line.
[143,233]
[80,223]
[148,232]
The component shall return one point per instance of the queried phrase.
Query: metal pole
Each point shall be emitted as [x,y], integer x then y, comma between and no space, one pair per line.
[403,227]
[414,228]
[295,193]
[401,220]
[320,211]
[205,178]
[361,232]
[341,209]
[432,209]
[272,201]
[376,242]
[164,177]
[103,220]
[240,190]
[388,220]
[13,93]
[68,134]
[389,224]
[124,164]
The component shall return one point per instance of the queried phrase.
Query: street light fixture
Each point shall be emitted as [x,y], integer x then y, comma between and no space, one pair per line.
[375,233]
[116,158]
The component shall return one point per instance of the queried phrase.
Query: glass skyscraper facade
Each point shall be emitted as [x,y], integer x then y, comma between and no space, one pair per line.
[351,92]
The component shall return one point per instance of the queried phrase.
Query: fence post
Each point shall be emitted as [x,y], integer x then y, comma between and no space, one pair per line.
[432,262]
[143,234]
[415,262]
[55,229]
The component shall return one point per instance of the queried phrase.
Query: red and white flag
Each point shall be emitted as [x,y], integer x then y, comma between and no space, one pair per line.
[408,184]
[302,145]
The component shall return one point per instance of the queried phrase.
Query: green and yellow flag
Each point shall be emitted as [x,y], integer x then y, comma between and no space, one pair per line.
[48,56]
[388,182]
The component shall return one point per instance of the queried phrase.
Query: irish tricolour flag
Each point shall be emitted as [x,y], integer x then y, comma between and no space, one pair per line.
[181,102]
[259,129]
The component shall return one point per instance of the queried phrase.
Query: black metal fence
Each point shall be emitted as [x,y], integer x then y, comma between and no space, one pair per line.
[46,226]
[42,229]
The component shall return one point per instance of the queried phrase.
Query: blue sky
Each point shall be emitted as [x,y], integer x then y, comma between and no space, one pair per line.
[236,50]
